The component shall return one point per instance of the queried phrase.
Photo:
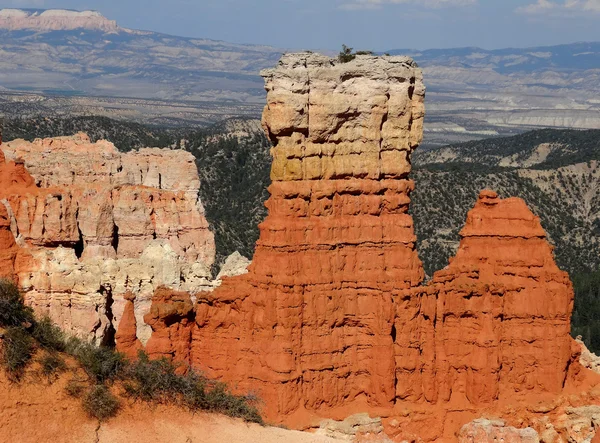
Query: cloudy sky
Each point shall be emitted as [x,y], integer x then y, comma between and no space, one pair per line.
[363,24]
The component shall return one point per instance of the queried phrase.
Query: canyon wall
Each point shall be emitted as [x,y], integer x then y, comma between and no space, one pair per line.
[96,224]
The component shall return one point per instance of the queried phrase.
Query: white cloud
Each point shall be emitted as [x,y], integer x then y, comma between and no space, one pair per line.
[377,4]
[554,7]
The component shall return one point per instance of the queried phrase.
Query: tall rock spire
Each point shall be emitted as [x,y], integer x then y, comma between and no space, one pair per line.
[311,325]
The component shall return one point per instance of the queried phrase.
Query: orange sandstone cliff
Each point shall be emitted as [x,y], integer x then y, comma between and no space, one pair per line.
[333,317]
[82,226]
[310,326]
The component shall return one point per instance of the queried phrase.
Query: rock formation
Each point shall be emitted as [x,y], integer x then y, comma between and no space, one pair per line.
[13,179]
[332,318]
[484,431]
[98,225]
[235,264]
[588,359]
[485,325]
[309,327]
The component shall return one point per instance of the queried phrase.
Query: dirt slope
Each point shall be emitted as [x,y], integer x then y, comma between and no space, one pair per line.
[37,412]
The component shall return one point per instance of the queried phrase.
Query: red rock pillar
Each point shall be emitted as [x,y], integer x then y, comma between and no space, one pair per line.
[503,308]
[311,326]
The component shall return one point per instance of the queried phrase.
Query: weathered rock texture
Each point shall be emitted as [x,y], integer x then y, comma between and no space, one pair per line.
[310,325]
[98,225]
[492,324]
[332,319]
[588,359]
[484,431]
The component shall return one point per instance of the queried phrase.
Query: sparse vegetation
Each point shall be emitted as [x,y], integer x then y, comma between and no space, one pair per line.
[101,364]
[143,379]
[346,55]
[17,349]
[157,380]
[13,311]
[100,403]
[75,388]
[48,335]
[52,364]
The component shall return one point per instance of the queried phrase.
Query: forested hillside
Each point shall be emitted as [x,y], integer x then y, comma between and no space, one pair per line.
[557,172]
[125,135]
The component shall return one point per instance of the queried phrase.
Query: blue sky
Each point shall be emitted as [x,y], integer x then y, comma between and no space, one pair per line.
[363,24]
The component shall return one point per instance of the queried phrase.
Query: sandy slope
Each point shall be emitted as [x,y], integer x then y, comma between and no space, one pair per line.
[36,412]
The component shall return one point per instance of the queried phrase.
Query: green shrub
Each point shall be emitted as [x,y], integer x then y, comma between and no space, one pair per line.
[49,336]
[101,364]
[346,54]
[13,311]
[156,380]
[17,350]
[100,403]
[152,380]
[51,365]
[221,400]
[75,388]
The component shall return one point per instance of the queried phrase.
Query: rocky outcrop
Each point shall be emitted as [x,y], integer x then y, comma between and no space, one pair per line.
[332,319]
[126,339]
[588,359]
[99,224]
[492,324]
[235,264]
[171,318]
[484,431]
[13,179]
[309,326]
[357,427]
[123,201]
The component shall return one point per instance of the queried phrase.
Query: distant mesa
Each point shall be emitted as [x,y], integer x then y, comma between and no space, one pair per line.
[55,20]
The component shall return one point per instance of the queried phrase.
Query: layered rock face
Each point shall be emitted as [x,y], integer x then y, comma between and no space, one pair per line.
[99,224]
[332,317]
[492,324]
[13,178]
[310,325]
